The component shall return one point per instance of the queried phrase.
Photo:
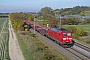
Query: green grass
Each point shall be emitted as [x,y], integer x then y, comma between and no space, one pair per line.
[85,27]
[4,39]
[37,48]
[25,51]
[2,20]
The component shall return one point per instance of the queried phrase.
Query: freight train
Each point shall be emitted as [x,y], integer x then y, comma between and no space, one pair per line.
[59,35]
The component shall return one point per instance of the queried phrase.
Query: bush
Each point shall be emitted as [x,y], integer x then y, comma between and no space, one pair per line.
[88,42]
[76,36]
[85,34]
[79,31]
[47,55]
[72,29]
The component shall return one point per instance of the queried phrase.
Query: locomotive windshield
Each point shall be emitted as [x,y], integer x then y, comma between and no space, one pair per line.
[66,34]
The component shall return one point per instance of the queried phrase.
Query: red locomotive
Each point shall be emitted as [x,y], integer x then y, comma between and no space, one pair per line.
[60,35]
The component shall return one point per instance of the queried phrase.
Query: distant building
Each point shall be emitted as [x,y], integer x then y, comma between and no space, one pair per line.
[74,16]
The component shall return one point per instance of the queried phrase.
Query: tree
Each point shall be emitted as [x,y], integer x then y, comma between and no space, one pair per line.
[46,10]
[74,10]
[72,21]
[53,22]
[87,12]
[87,21]
[47,13]
[82,14]
[17,19]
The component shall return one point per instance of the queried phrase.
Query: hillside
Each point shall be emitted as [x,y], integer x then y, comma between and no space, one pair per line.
[74,10]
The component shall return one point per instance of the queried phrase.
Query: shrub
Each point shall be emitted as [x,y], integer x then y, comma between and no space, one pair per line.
[88,42]
[79,31]
[85,34]
[47,55]
[72,29]
[76,36]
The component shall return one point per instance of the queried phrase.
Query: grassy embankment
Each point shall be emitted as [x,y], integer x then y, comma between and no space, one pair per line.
[33,48]
[83,39]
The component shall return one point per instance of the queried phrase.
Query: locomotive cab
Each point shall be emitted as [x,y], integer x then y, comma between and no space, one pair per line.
[66,38]
[62,36]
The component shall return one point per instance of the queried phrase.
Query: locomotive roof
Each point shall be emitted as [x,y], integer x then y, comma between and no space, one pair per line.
[59,29]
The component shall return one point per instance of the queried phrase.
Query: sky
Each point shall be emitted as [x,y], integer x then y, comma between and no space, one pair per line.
[36,5]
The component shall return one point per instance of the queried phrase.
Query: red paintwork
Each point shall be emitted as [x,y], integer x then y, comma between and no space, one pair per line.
[59,36]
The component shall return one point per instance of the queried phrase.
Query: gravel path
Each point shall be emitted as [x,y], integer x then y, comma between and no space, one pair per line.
[14,49]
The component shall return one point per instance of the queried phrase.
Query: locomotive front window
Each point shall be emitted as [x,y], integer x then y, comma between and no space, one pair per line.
[66,34]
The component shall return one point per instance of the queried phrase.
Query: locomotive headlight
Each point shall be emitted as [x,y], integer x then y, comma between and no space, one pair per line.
[70,38]
[68,34]
[64,38]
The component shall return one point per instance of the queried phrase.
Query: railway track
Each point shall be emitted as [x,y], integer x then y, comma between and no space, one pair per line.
[82,46]
[78,54]
[83,52]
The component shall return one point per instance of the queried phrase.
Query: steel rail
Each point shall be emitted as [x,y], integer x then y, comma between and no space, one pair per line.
[82,46]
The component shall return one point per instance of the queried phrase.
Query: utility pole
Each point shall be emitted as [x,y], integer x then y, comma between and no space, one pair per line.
[57,14]
[60,21]
[34,24]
